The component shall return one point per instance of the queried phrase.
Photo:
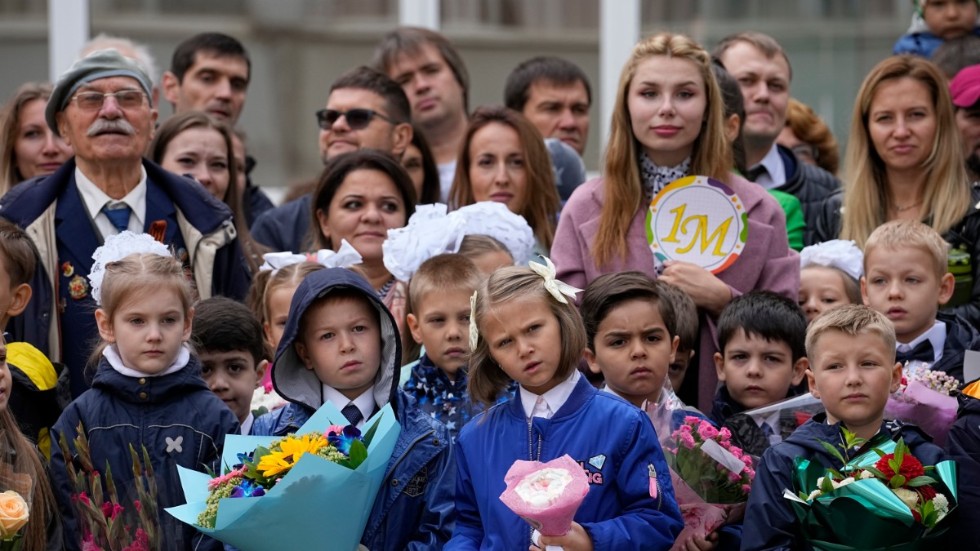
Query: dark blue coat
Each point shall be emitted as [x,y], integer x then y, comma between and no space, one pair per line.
[52,212]
[286,227]
[963,445]
[414,508]
[176,417]
[770,522]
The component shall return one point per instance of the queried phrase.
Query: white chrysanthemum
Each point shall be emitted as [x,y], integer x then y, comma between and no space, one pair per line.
[866,475]
[941,504]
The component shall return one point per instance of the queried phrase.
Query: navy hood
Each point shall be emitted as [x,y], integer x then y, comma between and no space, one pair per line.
[290,377]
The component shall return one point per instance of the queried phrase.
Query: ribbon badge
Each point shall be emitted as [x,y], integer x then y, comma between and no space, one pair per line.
[474,332]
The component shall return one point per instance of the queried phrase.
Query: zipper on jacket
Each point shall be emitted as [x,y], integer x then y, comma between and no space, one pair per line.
[531,457]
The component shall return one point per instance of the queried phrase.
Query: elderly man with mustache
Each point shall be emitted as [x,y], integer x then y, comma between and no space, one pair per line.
[100,106]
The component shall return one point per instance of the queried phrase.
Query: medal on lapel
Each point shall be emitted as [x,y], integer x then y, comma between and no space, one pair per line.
[67,269]
[78,288]
[158,230]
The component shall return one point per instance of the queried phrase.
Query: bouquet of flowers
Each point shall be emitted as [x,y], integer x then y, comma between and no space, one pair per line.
[924,399]
[15,509]
[883,499]
[546,495]
[783,417]
[711,477]
[106,521]
[264,498]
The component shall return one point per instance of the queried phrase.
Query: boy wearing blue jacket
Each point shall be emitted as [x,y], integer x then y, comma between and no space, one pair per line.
[852,371]
[341,345]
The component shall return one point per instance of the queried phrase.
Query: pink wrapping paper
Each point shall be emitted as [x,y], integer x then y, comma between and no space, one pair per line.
[701,518]
[932,411]
[553,519]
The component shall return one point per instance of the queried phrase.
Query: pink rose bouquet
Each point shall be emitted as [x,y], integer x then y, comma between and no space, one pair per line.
[546,495]
[711,477]
[924,399]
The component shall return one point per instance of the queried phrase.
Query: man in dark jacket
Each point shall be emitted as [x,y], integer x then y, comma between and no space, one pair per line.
[100,106]
[762,69]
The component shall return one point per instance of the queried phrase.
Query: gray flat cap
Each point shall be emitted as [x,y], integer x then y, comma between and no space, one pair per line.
[99,64]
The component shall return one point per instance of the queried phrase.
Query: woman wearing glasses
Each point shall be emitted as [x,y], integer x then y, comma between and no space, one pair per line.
[503,159]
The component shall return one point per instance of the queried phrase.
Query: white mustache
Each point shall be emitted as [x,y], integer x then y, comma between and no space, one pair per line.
[101,126]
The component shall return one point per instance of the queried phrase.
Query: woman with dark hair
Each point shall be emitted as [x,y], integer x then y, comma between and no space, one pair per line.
[503,158]
[359,197]
[199,146]
[421,167]
[28,148]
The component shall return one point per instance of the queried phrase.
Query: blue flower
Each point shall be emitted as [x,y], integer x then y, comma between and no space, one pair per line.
[344,440]
[248,489]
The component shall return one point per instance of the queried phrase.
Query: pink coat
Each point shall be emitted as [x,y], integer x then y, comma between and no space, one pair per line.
[766,263]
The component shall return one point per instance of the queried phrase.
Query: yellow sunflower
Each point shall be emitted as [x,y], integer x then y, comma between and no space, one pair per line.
[287,452]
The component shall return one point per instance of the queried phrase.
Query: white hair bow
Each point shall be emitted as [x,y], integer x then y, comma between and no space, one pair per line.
[836,253]
[118,247]
[552,284]
[345,257]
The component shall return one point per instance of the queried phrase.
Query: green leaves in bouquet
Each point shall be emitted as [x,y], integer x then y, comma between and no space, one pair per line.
[358,453]
[850,441]
[107,521]
[252,471]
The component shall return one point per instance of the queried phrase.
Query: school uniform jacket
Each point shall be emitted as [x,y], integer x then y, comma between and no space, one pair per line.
[612,440]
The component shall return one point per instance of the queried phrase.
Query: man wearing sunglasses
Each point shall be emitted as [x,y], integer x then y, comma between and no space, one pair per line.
[101,107]
[365,109]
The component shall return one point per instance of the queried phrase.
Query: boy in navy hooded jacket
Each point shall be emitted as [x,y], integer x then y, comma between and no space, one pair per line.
[341,345]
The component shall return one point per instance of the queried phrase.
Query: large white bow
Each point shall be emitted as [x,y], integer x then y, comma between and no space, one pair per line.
[345,257]
[118,247]
[558,289]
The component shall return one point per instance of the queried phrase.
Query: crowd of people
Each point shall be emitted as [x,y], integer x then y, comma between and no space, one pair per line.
[455,262]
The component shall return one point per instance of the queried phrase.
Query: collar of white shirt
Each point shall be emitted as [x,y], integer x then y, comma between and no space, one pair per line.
[364,401]
[554,398]
[937,337]
[95,199]
[775,174]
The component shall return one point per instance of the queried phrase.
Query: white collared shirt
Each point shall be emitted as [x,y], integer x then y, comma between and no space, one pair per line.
[937,338]
[775,174]
[247,423]
[95,199]
[364,402]
[447,172]
[551,401]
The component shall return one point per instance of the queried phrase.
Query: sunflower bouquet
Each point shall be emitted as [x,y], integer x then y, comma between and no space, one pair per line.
[263,499]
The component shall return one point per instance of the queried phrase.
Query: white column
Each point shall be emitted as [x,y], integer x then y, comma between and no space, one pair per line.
[68,30]
[619,30]
[419,13]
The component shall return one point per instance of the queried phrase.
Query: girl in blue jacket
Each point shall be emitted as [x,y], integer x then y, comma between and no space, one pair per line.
[525,328]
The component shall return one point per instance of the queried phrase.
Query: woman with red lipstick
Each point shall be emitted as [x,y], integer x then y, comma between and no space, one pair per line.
[29,148]
[503,159]
[668,123]
[904,161]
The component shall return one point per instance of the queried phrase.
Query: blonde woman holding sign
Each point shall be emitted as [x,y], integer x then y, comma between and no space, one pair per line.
[668,123]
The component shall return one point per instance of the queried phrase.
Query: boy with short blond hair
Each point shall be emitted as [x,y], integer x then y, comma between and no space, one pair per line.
[906,279]
[439,294]
[852,371]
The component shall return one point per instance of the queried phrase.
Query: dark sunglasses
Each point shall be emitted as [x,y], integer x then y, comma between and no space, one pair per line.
[356,118]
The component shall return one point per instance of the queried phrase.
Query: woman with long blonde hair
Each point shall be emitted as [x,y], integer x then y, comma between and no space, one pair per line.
[668,123]
[904,161]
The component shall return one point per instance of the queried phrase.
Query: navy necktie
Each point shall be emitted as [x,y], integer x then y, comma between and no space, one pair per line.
[922,352]
[352,413]
[119,216]
[753,174]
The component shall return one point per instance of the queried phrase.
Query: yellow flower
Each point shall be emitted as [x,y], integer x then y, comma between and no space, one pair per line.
[287,452]
[14,512]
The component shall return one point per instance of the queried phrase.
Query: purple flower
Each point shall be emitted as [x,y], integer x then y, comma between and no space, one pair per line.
[248,489]
[344,440]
